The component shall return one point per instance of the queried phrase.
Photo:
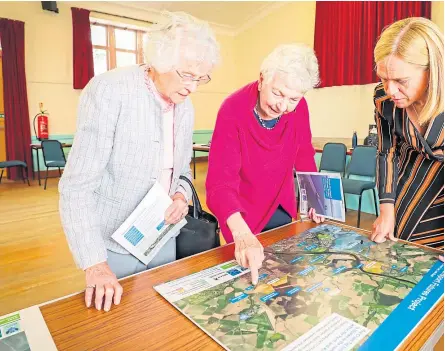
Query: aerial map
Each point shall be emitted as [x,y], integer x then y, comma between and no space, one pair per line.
[328,288]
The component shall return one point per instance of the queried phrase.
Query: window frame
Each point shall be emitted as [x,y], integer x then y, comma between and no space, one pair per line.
[110,47]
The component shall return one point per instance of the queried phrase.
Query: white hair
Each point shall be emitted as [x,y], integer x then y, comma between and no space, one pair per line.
[181,36]
[297,61]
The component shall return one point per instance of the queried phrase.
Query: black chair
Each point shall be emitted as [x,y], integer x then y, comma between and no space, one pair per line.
[53,156]
[363,163]
[333,158]
[15,163]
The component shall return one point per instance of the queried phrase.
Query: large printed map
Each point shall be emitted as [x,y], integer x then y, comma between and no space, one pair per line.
[324,272]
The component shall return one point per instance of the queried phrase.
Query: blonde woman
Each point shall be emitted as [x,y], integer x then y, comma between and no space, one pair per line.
[409,117]
[135,127]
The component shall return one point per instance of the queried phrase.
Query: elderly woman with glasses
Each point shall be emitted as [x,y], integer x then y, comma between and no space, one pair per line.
[262,134]
[134,129]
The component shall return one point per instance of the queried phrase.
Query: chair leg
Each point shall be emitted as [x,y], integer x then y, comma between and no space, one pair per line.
[1,175]
[26,175]
[23,174]
[60,172]
[375,202]
[46,178]
[194,164]
[359,210]
[344,197]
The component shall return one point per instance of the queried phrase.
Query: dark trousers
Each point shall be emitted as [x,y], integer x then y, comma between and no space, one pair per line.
[279,218]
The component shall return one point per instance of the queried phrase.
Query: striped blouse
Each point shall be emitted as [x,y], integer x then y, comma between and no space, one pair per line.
[410,172]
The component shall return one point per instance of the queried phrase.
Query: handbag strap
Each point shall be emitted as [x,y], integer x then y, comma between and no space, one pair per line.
[197,209]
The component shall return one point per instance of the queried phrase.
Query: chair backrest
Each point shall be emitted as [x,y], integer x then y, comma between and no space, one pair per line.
[333,158]
[52,151]
[363,161]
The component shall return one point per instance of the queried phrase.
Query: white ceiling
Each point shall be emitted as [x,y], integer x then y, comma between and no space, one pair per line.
[231,15]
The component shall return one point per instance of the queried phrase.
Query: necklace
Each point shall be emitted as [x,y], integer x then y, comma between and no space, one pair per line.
[420,128]
[262,122]
[415,111]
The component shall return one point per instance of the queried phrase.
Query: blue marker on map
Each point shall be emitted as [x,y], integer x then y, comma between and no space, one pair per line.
[404,269]
[296,259]
[238,298]
[269,296]
[262,276]
[310,247]
[307,270]
[249,288]
[293,291]
[313,287]
[394,266]
[339,269]
[359,266]
[316,259]
[302,244]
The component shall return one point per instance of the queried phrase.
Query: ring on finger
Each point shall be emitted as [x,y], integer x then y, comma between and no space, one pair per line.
[91,286]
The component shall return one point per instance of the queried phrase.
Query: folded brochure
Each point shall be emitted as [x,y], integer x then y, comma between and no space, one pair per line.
[145,231]
[322,192]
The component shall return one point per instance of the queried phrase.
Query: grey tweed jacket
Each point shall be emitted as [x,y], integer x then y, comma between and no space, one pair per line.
[115,160]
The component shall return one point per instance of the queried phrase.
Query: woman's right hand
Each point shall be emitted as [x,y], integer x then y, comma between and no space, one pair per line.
[383,227]
[249,252]
[103,283]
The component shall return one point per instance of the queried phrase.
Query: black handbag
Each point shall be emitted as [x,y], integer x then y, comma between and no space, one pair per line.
[201,231]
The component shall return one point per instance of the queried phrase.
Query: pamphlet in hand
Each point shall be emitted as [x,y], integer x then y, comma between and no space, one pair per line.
[322,192]
[145,232]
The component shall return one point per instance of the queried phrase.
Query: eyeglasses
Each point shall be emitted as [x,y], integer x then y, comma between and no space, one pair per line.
[188,79]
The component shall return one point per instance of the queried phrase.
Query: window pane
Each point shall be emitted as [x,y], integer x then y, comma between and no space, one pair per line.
[100,61]
[99,35]
[125,58]
[144,41]
[125,39]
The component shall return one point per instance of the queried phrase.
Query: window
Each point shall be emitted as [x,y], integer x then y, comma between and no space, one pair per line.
[115,47]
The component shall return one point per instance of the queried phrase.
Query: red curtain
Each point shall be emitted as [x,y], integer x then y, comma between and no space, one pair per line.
[17,125]
[83,65]
[347,31]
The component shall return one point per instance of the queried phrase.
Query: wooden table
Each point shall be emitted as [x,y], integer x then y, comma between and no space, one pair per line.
[318,146]
[320,142]
[198,147]
[145,321]
[320,151]
[38,147]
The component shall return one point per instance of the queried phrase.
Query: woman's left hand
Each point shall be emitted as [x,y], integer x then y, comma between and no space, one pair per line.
[177,210]
[314,216]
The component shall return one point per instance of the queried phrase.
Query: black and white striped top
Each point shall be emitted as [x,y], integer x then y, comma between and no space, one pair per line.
[410,172]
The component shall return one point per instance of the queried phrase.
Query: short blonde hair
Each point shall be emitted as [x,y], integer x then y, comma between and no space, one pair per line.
[418,41]
[298,61]
[181,36]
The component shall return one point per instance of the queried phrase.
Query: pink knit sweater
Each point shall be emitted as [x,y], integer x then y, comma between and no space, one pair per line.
[250,167]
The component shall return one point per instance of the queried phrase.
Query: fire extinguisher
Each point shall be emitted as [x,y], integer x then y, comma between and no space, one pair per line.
[42,124]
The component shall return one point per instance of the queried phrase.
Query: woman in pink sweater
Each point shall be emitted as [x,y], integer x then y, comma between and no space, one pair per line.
[262,134]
